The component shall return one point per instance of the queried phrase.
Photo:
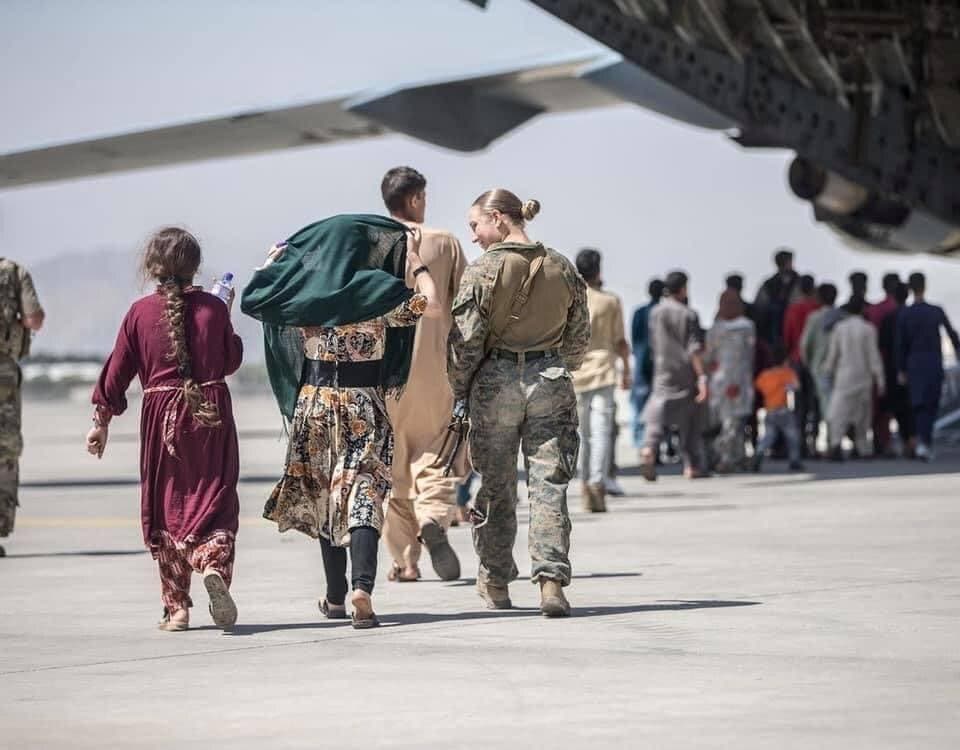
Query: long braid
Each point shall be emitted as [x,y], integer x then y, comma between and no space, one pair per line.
[204,411]
[172,257]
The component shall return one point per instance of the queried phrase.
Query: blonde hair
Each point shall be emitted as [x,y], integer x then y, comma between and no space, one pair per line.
[507,203]
[171,258]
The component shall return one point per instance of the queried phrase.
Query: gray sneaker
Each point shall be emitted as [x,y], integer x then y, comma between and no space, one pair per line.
[446,564]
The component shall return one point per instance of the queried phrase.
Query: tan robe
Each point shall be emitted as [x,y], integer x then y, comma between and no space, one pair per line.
[421,416]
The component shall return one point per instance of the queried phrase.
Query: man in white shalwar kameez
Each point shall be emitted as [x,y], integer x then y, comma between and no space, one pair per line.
[853,361]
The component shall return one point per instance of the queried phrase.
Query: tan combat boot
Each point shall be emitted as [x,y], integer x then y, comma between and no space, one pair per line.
[496,596]
[552,601]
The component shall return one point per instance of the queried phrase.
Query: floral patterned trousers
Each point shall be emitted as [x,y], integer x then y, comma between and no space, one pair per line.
[177,561]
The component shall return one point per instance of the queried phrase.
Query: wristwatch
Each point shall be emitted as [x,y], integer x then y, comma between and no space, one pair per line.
[420,270]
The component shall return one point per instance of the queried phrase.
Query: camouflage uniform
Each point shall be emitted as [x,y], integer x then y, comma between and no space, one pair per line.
[516,378]
[18,299]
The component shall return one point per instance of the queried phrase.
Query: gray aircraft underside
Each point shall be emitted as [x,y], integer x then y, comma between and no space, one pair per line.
[865,92]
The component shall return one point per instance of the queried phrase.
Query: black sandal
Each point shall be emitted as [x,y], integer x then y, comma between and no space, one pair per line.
[333,611]
[363,623]
[371,622]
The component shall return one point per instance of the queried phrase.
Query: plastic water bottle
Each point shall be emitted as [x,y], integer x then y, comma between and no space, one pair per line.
[223,287]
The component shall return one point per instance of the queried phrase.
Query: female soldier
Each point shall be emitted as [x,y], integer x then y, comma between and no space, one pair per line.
[521,324]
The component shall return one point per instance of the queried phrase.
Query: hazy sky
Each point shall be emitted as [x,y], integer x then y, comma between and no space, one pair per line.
[653,195]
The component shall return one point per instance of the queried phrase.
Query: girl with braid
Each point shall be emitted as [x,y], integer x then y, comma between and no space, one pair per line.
[180,343]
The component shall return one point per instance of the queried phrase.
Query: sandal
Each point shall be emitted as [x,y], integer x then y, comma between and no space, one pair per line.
[363,622]
[170,625]
[332,611]
[396,574]
[222,608]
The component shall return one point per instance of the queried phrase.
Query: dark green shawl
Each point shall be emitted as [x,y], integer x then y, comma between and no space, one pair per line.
[345,269]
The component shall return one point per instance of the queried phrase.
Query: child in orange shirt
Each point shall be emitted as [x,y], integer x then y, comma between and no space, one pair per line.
[775,385]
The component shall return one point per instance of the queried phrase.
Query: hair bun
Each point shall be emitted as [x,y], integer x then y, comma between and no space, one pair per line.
[530,209]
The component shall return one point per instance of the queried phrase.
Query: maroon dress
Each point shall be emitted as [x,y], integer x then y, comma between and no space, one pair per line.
[188,472]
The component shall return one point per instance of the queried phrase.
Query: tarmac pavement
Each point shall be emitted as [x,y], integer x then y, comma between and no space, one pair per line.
[816,610]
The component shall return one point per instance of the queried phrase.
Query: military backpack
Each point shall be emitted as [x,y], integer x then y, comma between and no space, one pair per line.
[14,337]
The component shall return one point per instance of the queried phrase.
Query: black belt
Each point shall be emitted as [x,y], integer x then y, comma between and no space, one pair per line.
[527,356]
[323,374]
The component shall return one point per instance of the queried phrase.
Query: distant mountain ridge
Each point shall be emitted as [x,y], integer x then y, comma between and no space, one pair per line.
[86,294]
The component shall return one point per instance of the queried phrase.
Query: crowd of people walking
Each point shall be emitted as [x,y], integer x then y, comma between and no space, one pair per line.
[818,372]
[401,369]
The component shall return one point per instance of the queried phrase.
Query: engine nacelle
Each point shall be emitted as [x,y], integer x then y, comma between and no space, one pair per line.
[869,221]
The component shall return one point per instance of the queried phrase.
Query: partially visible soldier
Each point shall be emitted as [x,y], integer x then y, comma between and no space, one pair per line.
[424,500]
[20,314]
[521,325]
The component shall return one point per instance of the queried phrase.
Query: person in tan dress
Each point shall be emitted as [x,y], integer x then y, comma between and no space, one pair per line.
[424,500]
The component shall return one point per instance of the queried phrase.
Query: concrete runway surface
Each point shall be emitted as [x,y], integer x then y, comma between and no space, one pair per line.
[793,611]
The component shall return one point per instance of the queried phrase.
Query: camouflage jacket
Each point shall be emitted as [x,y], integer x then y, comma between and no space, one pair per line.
[556,315]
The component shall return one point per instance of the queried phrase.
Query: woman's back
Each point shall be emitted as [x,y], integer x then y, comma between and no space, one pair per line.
[215,351]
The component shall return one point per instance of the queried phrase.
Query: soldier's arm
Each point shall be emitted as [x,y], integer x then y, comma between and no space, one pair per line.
[576,335]
[32,314]
[471,326]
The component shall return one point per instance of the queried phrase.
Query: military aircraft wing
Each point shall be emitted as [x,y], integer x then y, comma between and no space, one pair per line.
[233,135]
[464,113]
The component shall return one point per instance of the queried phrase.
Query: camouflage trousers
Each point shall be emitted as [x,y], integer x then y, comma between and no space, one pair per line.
[528,407]
[11,442]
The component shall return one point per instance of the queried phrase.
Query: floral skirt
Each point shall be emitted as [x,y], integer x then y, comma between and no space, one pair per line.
[337,474]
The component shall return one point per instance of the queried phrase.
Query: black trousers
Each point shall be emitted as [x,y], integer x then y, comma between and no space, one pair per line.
[363,559]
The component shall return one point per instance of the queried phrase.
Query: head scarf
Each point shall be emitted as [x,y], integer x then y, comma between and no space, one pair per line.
[731,306]
[342,270]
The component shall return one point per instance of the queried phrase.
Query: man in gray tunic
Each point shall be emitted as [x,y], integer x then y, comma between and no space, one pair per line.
[679,393]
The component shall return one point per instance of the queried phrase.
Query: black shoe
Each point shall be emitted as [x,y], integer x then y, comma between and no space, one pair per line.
[3,552]
[796,466]
[446,564]
[756,464]
[836,454]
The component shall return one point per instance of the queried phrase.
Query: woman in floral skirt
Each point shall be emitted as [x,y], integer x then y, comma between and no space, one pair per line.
[338,321]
